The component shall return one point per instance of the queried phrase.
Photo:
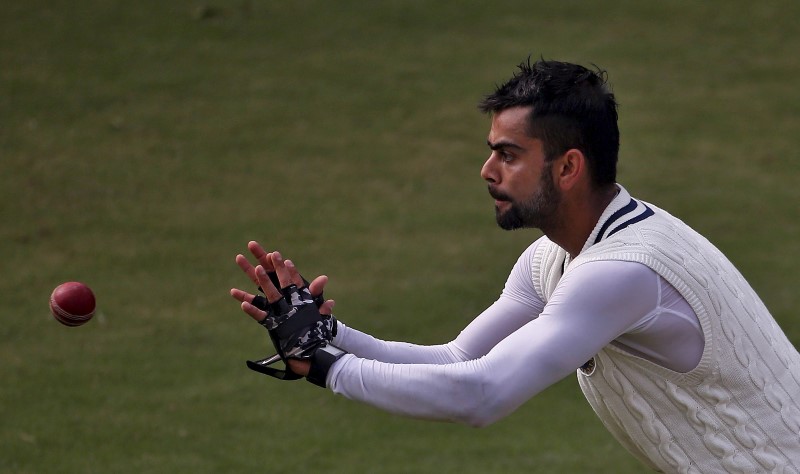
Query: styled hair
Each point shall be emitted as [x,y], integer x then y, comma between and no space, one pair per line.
[572,107]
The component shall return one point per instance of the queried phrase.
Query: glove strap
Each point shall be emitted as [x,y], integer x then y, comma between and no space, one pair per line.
[321,363]
[263,366]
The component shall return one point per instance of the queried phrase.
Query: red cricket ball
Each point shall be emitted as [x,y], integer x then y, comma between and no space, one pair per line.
[72,303]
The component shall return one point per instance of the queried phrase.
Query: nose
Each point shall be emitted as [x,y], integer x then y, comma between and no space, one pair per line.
[489,171]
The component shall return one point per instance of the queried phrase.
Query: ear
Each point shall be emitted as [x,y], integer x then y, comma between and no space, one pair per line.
[571,168]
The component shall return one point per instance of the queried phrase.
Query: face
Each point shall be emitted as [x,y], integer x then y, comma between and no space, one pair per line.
[520,180]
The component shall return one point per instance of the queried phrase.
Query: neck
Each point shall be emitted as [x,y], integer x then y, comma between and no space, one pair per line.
[577,219]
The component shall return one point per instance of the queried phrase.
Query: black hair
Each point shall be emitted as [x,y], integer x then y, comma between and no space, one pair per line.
[572,107]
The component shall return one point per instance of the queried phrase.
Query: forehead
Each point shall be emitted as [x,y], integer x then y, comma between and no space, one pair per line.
[510,123]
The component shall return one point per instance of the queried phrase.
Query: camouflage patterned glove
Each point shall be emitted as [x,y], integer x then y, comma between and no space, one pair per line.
[296,329]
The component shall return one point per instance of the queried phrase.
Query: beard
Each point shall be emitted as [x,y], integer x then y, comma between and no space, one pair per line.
[537,211]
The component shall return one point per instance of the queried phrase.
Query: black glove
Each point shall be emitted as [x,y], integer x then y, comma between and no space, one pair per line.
[296,329]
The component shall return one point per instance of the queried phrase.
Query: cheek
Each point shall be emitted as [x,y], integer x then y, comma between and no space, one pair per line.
[523,182]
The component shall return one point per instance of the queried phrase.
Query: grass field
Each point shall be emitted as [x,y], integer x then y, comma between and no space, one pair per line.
[142,144]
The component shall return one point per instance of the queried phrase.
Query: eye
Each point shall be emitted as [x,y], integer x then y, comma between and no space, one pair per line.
[506,157]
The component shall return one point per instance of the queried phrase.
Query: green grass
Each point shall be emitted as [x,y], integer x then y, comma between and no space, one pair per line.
[142,144]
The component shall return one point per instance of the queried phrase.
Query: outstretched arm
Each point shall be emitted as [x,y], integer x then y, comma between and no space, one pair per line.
[584,314]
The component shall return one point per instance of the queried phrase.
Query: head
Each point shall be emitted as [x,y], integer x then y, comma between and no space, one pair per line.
[559,110]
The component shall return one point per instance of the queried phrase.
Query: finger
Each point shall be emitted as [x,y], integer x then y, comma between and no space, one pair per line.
[280,268]
[247,268]
[300,367]
[327,307]
[241,296]
[266,285]
[294,275]
[254,312]
[261,255]
[318,285]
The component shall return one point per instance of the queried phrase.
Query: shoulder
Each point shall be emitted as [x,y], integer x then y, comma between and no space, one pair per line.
[616,271]
[540,256]
[540,265]
[520,283]
[625,286]
[521,273]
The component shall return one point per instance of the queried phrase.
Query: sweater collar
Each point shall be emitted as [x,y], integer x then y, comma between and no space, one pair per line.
[621,212]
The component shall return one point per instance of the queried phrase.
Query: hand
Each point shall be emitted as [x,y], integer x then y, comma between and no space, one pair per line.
[300,367]
[287,274]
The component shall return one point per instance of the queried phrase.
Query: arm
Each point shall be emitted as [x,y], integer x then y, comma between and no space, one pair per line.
[592,305]
[502,318]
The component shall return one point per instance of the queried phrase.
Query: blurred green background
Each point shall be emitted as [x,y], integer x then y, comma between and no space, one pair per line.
[143,144]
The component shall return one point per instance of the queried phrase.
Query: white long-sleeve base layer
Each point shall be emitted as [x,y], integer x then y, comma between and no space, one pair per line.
[519,345]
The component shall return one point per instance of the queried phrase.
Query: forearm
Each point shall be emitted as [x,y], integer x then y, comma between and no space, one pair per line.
[499,320]
[476,392]
[368,347]
[413,390]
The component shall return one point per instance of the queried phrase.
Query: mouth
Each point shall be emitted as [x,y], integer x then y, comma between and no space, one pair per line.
[499,198]
[501,206]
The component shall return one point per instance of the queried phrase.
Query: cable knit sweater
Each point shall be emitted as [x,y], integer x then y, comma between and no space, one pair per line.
[739,409]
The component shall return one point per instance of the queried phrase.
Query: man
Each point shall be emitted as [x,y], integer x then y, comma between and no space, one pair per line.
[675,352]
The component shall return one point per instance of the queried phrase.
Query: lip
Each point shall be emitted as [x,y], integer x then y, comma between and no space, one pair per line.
[498,198]
[498,203]
[496,194]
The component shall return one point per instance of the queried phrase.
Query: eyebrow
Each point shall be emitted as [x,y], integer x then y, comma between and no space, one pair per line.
[503,144]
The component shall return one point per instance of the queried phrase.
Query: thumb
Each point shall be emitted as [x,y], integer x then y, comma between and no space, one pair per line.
[318,285]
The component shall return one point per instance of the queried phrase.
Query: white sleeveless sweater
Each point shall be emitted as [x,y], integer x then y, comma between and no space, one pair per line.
[739,409]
